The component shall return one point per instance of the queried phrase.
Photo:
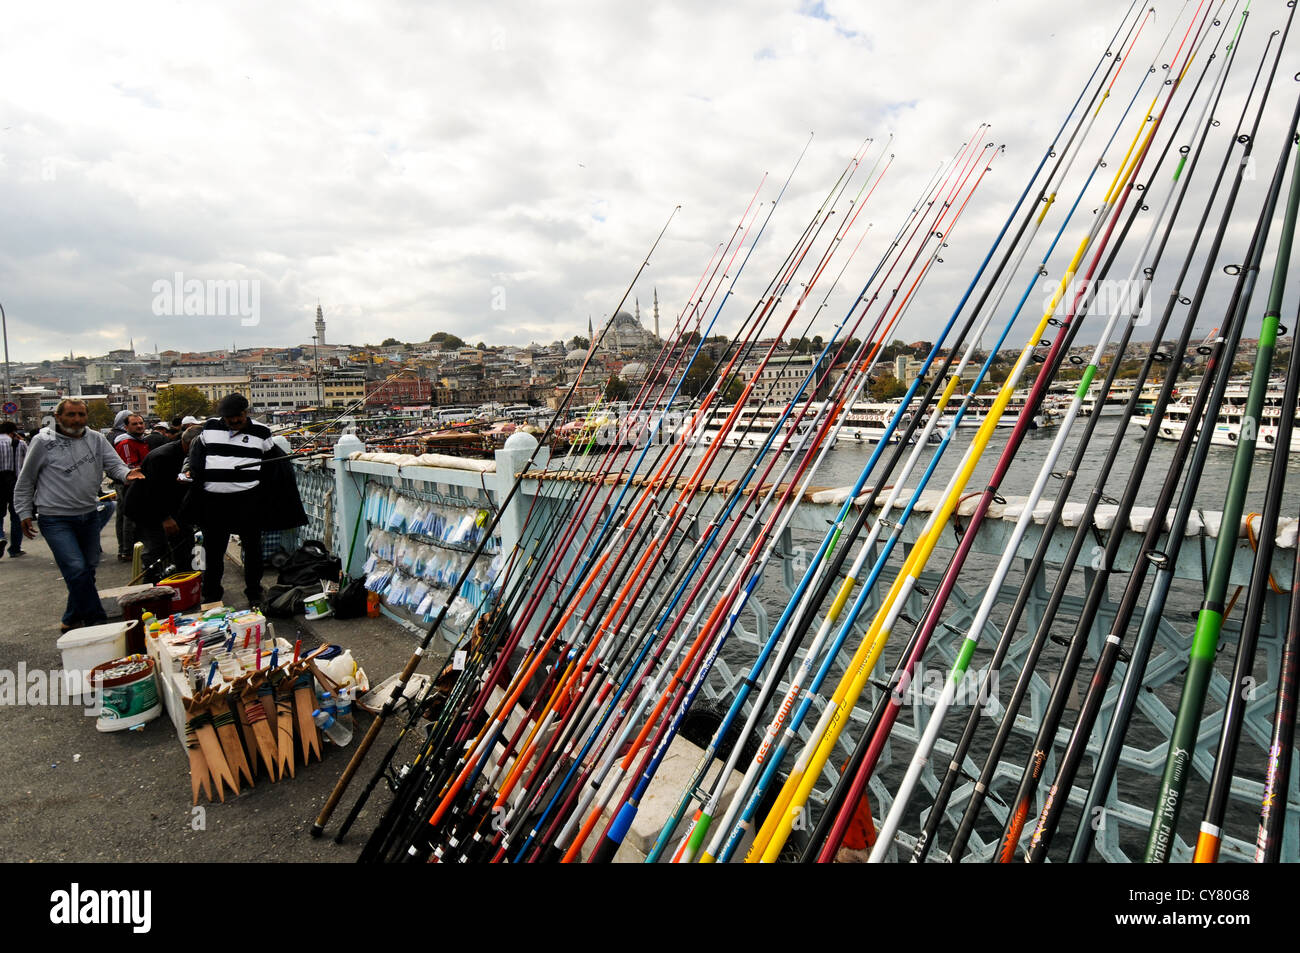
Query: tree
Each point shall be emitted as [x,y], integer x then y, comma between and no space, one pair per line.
[446,340]
[616,389]
[181,400]
[98,414]
[577,343]
[886,387]
[700,376]
[390,342]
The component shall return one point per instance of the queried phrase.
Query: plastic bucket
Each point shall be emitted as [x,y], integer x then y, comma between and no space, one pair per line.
[128,694]
[85,648]
[187,586]
[316,606]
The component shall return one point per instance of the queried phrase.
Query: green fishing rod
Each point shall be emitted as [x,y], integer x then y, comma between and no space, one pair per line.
[1268,842]
[1242,685]
[1165,562]
[1209,623]
[1046,732]
[848,791]
[1218,370]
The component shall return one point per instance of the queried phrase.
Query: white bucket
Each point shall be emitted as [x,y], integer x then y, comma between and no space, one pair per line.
[85,648]
[317,606]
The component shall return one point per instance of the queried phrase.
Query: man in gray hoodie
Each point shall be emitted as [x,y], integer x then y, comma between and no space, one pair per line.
[61,480]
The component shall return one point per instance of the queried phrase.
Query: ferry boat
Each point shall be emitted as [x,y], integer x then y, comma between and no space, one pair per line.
[752,426]
[1049,412]
[1114,402]
[1231,418]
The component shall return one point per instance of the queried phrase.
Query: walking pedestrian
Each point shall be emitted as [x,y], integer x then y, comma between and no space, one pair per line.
[61,482]
[13,453]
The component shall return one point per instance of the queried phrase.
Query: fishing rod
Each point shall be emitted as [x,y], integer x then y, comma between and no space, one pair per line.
[794,793]
[1268,842]
[986,688]
[1096,593]
[1164,563]
[754,567]
[489,735]
[1209,622]
[1131,311]
[668,348]
[852,784]
[1207,846]
[716,846]
[471,674]
[716,615]
[575,718]
[613,746]
[404,676]
[828,410]
[777,428]
[793,797]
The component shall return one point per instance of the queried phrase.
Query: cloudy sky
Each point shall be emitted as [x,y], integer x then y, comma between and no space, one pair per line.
[500,170]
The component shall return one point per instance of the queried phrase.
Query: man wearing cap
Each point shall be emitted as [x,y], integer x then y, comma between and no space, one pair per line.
[225,465]
[159,436]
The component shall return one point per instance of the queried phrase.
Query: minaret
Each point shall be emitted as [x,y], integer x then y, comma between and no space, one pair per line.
[320,326]
[656,312]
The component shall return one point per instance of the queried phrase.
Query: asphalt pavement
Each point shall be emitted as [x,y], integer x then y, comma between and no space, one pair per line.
[70,793]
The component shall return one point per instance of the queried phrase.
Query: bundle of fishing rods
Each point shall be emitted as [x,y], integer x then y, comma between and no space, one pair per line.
[610,615]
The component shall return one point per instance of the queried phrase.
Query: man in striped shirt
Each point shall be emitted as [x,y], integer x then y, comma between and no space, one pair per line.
[225,465]
[13,451]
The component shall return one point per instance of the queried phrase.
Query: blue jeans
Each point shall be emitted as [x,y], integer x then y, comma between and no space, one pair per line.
[74,541]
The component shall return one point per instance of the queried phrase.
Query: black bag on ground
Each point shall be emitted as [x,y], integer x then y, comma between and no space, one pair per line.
[350,601]
[283,602]
[311,563]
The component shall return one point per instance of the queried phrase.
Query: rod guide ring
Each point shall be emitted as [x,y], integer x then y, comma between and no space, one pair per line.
[1232,269]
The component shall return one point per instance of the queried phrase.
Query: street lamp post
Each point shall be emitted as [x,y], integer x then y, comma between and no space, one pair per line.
[4,324]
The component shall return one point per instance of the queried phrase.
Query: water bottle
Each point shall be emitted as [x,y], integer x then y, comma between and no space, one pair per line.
[332,728]
[327,704]
[344,712]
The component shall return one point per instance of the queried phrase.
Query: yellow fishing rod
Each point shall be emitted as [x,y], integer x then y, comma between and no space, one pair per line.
[794,793]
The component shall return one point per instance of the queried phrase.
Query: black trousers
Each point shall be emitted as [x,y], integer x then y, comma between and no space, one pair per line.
[215,542]
[161,550]
[8,480]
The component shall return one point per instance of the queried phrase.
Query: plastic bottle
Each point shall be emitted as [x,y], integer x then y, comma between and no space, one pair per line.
[343,705]
[332,728]
[327,703]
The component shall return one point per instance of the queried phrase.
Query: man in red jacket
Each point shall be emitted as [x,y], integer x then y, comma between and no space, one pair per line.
[130,446]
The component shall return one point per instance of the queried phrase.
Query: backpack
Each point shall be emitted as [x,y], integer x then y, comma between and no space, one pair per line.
[311,563]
